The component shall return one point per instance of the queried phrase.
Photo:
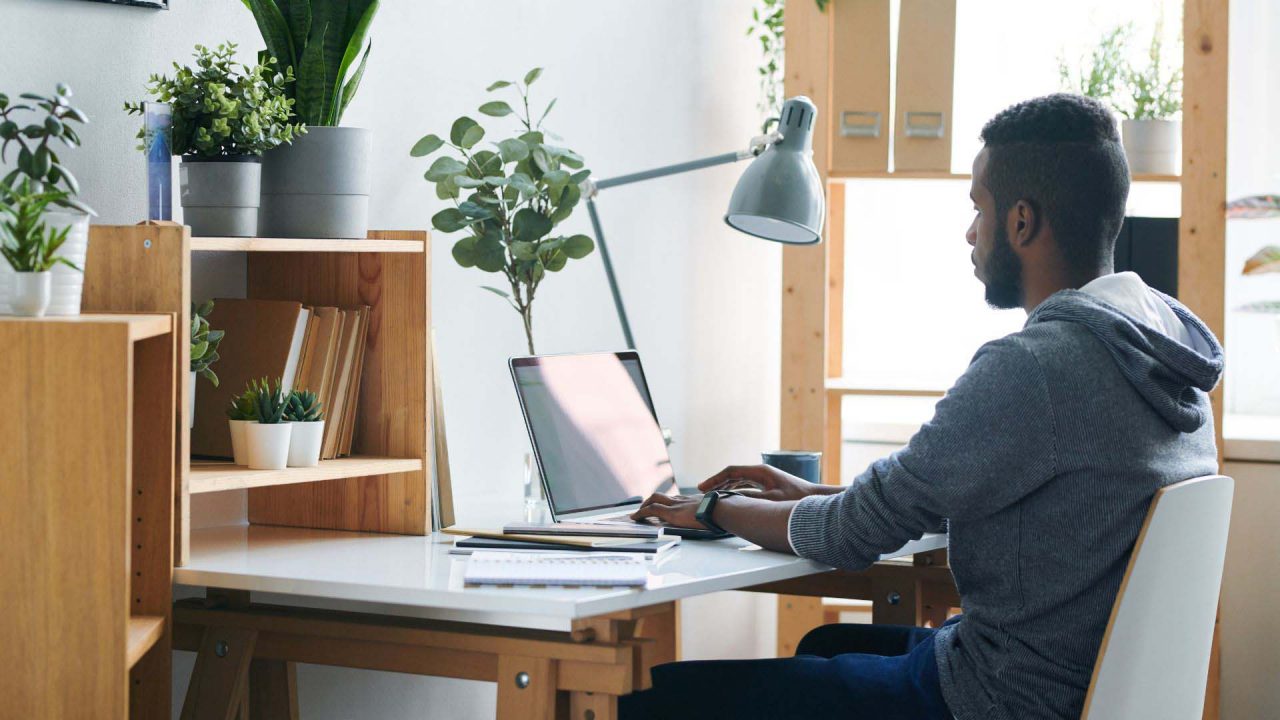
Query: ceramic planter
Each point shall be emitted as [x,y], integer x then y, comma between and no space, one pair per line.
[31,292]
[67,284]
[267,445]
[317,186]
[240,446]
[305,442]
[220,195]
[1151,146]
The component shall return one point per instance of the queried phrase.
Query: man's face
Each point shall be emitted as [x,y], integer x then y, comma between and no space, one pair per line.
[994,261]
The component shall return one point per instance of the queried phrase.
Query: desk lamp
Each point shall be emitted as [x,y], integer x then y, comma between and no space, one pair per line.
[778,198]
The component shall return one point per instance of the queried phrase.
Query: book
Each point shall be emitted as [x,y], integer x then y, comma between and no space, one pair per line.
[263,338]
[628,530]
[441,481]
[338,387]
[503,568]
[320,367]
[346,432]
[295,350]
[579,540]
[650,548]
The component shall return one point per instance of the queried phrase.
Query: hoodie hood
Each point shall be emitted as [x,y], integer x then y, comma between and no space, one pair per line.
[1165,372]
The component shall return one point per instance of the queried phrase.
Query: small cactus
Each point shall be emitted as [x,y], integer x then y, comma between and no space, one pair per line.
[270,403]
[303,406]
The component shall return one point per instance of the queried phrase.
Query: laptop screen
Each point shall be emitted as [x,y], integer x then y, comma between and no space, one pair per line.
[593,428]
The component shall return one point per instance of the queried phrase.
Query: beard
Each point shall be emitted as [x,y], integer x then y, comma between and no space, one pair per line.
[1003,273]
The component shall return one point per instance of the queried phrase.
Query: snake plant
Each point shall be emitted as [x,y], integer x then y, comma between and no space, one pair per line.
[320,40]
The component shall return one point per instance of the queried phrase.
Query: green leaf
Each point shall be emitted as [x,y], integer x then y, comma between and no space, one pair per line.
[311,85]
[542,159]
[464,181]
[485,162]
[532,75]
[349,91]
[449,220]
[464,251]
[444,167]
[555,179]
[426,146]
[355,42]
[498,86]
[496,181]
[490,256]
[513,150]
[522,250]
[524,184]
[496,108]
[556,261]
[474,211]
[446,190]
[465,132]
[569,196]
[529,225]
[274,30]
[496,291]
[205,308]
[547,111]
[298,15]
[578,246]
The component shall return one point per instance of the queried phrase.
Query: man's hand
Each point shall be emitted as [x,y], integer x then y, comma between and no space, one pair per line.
[762,481]
[678,510]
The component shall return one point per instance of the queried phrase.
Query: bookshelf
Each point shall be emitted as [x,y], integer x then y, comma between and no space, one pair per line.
[89,477]
[384,485]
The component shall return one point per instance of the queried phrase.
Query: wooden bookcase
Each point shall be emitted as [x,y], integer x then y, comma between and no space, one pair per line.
[384,486]
[88,487]
[813,281]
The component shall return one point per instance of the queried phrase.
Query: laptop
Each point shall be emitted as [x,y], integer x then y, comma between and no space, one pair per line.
[595,436]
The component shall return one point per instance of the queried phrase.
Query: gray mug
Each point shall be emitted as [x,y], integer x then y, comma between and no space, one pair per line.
[804,464]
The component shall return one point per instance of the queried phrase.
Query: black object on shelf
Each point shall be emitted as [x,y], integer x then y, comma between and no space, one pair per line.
[1149,247]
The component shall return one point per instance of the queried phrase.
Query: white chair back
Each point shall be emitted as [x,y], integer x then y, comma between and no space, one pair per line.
[1154,658]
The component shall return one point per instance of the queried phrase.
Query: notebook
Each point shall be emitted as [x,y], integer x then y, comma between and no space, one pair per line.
[506,568]
[649,548]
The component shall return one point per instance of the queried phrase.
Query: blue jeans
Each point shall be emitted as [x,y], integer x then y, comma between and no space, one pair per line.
[885,672]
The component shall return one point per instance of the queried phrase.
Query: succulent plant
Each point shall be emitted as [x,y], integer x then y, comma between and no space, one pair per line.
[245,405]
[204,342]
[303,406]
[270,403]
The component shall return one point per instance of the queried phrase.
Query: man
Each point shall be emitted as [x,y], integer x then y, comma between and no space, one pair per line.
[1043,459]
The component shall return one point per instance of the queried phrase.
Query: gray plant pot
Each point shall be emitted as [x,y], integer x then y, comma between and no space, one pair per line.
[318,186]
[220,195]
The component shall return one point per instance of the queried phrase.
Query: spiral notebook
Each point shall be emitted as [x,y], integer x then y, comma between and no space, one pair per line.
[595,569]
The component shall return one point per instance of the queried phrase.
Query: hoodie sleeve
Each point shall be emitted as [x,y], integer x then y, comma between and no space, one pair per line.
[991,441]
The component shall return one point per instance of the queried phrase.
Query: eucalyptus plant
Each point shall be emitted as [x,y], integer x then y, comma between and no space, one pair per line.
[303,406]
[27,242]
[1149,90]
[270,402]
[37,159]
[1102,75]
[319,40]
[222,108]
[204,342]
[517,193]
[1155,88]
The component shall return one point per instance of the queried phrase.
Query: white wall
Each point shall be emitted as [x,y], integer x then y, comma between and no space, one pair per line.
[640,83]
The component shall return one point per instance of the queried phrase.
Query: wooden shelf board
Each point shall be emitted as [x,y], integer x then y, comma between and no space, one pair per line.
[143,632]
[839,386]
[141,326]
[213,476]
[943,175]
[240,244]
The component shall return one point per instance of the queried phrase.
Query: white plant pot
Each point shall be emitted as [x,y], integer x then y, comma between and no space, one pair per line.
[31,293]
[191,401]
[1151,146]
[67,284]
[239,445]
[305,442]
[268,445]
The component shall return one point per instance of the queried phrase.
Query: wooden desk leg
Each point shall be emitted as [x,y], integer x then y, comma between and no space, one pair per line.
[221,674]
[526,688]
[662,630]
[273,690]
[592,706]
[797,615]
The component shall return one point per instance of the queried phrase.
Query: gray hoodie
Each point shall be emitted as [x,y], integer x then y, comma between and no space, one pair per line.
[1043,458]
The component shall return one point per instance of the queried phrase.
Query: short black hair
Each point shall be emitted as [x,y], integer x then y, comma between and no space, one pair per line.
[1061,153]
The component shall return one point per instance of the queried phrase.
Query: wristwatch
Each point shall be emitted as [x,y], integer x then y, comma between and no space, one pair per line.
[708,506]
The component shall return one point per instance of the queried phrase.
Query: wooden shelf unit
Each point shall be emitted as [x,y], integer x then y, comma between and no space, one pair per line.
[88,482]
[385,486]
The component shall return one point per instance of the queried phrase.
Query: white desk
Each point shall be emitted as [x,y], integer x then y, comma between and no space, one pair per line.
[398,603]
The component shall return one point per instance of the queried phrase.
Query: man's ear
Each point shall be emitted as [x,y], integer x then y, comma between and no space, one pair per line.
[1024,223]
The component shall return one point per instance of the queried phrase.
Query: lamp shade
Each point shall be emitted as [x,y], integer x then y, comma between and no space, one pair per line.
[780,195]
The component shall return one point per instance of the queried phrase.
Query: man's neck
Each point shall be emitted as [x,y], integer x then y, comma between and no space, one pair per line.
[1037,290]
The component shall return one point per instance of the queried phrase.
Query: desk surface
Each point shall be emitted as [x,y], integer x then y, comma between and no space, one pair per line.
[416,576]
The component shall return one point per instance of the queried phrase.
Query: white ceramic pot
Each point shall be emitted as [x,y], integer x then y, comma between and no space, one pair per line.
[267,445]
[305,442]
[1151,146]
[191,400]
[240,446]
[67,284]
[30,293]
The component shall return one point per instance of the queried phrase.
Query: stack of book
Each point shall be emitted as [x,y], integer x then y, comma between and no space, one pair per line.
[320,349]
[641,539]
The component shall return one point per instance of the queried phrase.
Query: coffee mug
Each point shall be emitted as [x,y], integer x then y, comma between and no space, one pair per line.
[804,464]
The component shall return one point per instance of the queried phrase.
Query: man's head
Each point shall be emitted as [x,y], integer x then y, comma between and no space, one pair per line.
[1049,188]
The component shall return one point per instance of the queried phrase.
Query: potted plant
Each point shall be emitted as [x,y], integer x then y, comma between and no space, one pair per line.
[242,413]
[516,194]
[304,414]
[225,116]
[204,353]
[32,127]
[30,247]
[318,187]
[267,439]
